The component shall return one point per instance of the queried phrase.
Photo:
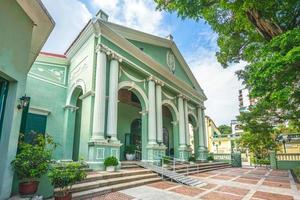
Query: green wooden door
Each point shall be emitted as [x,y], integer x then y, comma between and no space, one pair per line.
[34,124]
[3,94]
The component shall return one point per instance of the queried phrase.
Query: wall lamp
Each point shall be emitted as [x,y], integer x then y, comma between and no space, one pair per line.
[24,101]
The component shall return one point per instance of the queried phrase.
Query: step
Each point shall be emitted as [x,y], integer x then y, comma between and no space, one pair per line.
[105,175]
[204,170]
[107,182]
[112,188]
[129,166]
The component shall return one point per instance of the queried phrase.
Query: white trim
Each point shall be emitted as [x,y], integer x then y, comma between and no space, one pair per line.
[87,94]
[100,157]
[39,111]
[81,84]
[130,85]
[32,75]
[168,102]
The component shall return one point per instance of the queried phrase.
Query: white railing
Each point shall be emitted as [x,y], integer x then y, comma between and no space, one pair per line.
[174,161]
[222,156]
[288,157]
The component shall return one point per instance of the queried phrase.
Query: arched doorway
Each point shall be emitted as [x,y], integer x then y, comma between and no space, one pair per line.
[76,102]
[170,128]
[194,138]
[132,118]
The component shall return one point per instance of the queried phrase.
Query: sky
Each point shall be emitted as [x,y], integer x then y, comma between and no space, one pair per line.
[196,41]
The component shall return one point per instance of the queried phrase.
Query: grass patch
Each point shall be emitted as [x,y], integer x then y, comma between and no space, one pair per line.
[296,174]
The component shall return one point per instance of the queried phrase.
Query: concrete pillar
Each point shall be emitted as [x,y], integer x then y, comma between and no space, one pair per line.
[113,100]
[151,112]
[182,138]
[99,103]
[186,122]
[159,121]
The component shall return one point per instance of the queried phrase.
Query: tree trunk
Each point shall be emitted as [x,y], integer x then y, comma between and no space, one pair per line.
[265,27]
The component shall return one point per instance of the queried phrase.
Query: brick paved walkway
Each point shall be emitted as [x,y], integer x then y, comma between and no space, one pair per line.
[225,184]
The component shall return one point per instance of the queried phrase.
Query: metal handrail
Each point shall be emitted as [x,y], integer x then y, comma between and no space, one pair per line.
[138,155]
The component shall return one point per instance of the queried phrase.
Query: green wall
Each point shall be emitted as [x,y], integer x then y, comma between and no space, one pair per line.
[15,45]
[126,114]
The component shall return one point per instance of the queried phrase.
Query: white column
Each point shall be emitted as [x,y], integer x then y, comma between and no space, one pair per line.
[201,128]
[186,122]
[99,103]
[204,128]
[112,116]
[159,119]
[182,142]
[151,112]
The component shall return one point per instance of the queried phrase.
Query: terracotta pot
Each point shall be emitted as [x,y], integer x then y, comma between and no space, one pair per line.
[27,188]
[66,197]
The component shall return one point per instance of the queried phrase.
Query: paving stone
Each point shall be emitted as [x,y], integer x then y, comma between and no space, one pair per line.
[233,190]
[248,181]
[209,186]
[162,185]
[271,196]
[114,196]
[220,196]
[202,175]
[189,191]
[223,177]
[277,184]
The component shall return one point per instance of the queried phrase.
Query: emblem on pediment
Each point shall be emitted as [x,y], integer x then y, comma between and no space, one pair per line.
[171,61]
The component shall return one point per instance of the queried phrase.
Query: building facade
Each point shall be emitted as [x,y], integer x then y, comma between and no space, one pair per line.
[25,27]
[217,142]
[117,86]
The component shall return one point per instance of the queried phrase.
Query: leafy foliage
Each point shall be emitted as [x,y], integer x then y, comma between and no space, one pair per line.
[111,161]
[225,129]
[33,160]
[192,159]
[65,174]
[266,35]
[210,157]
[130,149]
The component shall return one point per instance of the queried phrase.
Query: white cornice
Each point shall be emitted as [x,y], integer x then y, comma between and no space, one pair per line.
[39,111]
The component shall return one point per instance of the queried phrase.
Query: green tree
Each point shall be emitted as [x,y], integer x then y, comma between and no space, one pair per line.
[225,129]
[266,35]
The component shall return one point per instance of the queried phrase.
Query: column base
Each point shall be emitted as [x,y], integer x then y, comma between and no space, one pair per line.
[101,149]
[202,154]
[184,152]
[155,152]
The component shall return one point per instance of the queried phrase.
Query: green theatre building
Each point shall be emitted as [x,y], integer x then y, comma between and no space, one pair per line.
[116,86]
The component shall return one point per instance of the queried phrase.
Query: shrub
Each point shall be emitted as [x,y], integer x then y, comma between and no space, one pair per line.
[130,149]
[210,157]
[192,159]
[33,160]
[165,160]
[296,172]
[65,174]
[111,161]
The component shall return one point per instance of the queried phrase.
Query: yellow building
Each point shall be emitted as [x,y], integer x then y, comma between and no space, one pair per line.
[216,142]
[289,143]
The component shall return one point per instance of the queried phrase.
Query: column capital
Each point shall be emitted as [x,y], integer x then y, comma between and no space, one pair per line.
[115,56]
[202,107]
[184,97]
[100,48]
[151,78]
[159,82]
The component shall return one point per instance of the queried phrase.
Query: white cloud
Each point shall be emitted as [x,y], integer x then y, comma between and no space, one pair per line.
[137,14]
[70,17]
[220,85]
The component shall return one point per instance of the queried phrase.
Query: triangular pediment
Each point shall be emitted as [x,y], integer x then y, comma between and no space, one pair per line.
[162,50]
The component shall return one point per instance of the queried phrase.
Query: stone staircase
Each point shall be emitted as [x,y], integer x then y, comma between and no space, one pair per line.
[99,183]
[129,165]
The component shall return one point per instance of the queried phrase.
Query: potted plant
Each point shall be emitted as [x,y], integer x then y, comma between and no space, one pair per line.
[110,163]
[130,152]
[192,160]
[63,175]
[32,161]
[210,158]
